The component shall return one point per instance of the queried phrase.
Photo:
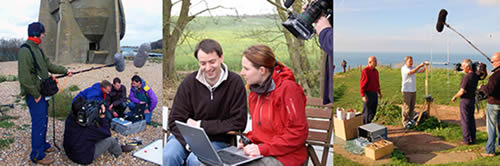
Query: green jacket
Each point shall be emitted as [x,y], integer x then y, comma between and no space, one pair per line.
[29,81]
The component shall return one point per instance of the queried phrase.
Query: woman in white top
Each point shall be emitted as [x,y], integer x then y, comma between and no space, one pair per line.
[409,89]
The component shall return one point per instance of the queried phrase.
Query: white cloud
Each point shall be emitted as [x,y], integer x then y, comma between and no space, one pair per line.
[489,3]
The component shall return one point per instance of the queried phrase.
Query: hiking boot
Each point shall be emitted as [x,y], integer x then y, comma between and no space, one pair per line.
[50,150]
[488,154]
[127,148]
[45,161]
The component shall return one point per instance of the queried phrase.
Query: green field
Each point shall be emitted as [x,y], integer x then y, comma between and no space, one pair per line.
[445,84]
[235,35]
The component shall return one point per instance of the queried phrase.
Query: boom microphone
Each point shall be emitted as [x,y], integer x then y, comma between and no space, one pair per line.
[441,20]
[288,3]
[119,62]
[142,55]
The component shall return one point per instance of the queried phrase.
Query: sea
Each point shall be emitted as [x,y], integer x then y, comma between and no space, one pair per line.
[395,59]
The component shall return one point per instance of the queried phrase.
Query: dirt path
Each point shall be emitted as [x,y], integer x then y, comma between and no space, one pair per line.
[18,152]
[420,147]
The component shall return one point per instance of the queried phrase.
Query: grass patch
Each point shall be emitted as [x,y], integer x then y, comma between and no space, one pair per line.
[388,114]
[3,78]
[11,78]
[5,142]
[6,124]
[339,160]
[154,124]
[73,88]
[62,104]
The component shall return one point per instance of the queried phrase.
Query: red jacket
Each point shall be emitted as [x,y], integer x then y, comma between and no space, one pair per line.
[283,128]
[369,81]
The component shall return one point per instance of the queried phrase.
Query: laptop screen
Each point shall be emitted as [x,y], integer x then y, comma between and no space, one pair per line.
[198,142]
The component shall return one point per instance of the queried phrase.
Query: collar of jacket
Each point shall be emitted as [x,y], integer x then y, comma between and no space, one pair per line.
[224,74]
[267,87]
[496,69]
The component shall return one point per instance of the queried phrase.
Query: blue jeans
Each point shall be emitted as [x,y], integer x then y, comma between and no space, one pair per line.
[174,154]
[492,124]
[39,117]
[147,116]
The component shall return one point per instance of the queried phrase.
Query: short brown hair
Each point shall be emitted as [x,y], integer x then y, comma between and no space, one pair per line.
[261,55]
[105,83]
[407,58]
[208,46]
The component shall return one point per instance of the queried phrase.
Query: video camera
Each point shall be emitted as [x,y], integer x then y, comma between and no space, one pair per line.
[300,24]
[86,112]
[478,67]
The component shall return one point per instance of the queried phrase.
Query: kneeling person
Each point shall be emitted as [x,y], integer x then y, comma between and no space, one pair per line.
[117,100]
[84,142]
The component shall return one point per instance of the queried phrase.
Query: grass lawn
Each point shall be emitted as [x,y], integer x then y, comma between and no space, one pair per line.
[443,85]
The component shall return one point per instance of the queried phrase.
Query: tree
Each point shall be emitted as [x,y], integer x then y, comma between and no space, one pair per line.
[172,31]
[296,47]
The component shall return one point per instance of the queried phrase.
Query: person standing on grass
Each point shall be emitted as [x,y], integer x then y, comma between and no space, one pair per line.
[409,89]
[370,90]
[467,93]
[492,90]
[34,66]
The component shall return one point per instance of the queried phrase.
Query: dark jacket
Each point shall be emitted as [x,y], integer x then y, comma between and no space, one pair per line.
[29,81]
[92,93]
[326,42]
[79,142]
[492,89]
[221,110]
[116,97]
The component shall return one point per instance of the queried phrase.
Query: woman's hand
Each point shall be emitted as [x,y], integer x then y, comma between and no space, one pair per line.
[251,150]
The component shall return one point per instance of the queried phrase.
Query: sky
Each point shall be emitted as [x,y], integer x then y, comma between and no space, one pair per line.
[409,26]
[143,17]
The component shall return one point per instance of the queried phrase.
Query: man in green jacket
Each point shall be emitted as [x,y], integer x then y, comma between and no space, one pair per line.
[30,79]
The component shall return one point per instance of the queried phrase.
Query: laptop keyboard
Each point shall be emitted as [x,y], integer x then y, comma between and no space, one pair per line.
[230,158]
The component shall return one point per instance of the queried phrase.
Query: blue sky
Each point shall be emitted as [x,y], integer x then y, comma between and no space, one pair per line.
[409,25]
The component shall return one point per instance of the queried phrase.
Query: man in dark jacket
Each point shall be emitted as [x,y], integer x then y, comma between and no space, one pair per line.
[30,75]
[212,98]
[117,100]
[467,93]
[492,90]
[83,144]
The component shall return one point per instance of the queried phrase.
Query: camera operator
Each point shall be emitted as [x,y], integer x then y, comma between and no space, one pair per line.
[85,143]
[324,30]
[492,90]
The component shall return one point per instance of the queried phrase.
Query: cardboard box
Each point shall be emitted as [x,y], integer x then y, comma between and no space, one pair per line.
[379,149]
[347,129]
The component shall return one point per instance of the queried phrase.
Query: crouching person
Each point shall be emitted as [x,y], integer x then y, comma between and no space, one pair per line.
[85,139]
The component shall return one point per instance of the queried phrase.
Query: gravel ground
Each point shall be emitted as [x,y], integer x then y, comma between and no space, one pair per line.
[18,152]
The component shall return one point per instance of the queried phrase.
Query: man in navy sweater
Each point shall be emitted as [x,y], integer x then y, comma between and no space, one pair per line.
[83,144]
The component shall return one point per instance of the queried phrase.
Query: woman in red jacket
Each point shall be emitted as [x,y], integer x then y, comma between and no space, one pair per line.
[277,106]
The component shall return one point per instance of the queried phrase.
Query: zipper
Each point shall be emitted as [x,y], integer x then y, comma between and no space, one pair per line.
[211,94]
[260,109]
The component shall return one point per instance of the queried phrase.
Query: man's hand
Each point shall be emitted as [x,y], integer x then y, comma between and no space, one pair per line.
[142,102]
[454,98]
[240,145]
[192,122]
[110,107]
[115,114]
[364,99]
[102,111]
[38,99]
[70,73]
[251,150]
[321,24]
[146,111]
[380,95]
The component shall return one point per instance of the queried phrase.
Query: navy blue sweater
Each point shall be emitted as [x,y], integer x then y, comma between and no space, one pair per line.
[79,141]
[326,42]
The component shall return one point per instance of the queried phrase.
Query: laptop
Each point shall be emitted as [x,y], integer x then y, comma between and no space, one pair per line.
[200,145]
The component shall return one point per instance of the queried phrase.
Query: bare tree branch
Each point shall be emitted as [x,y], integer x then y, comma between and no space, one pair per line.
[278,6]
